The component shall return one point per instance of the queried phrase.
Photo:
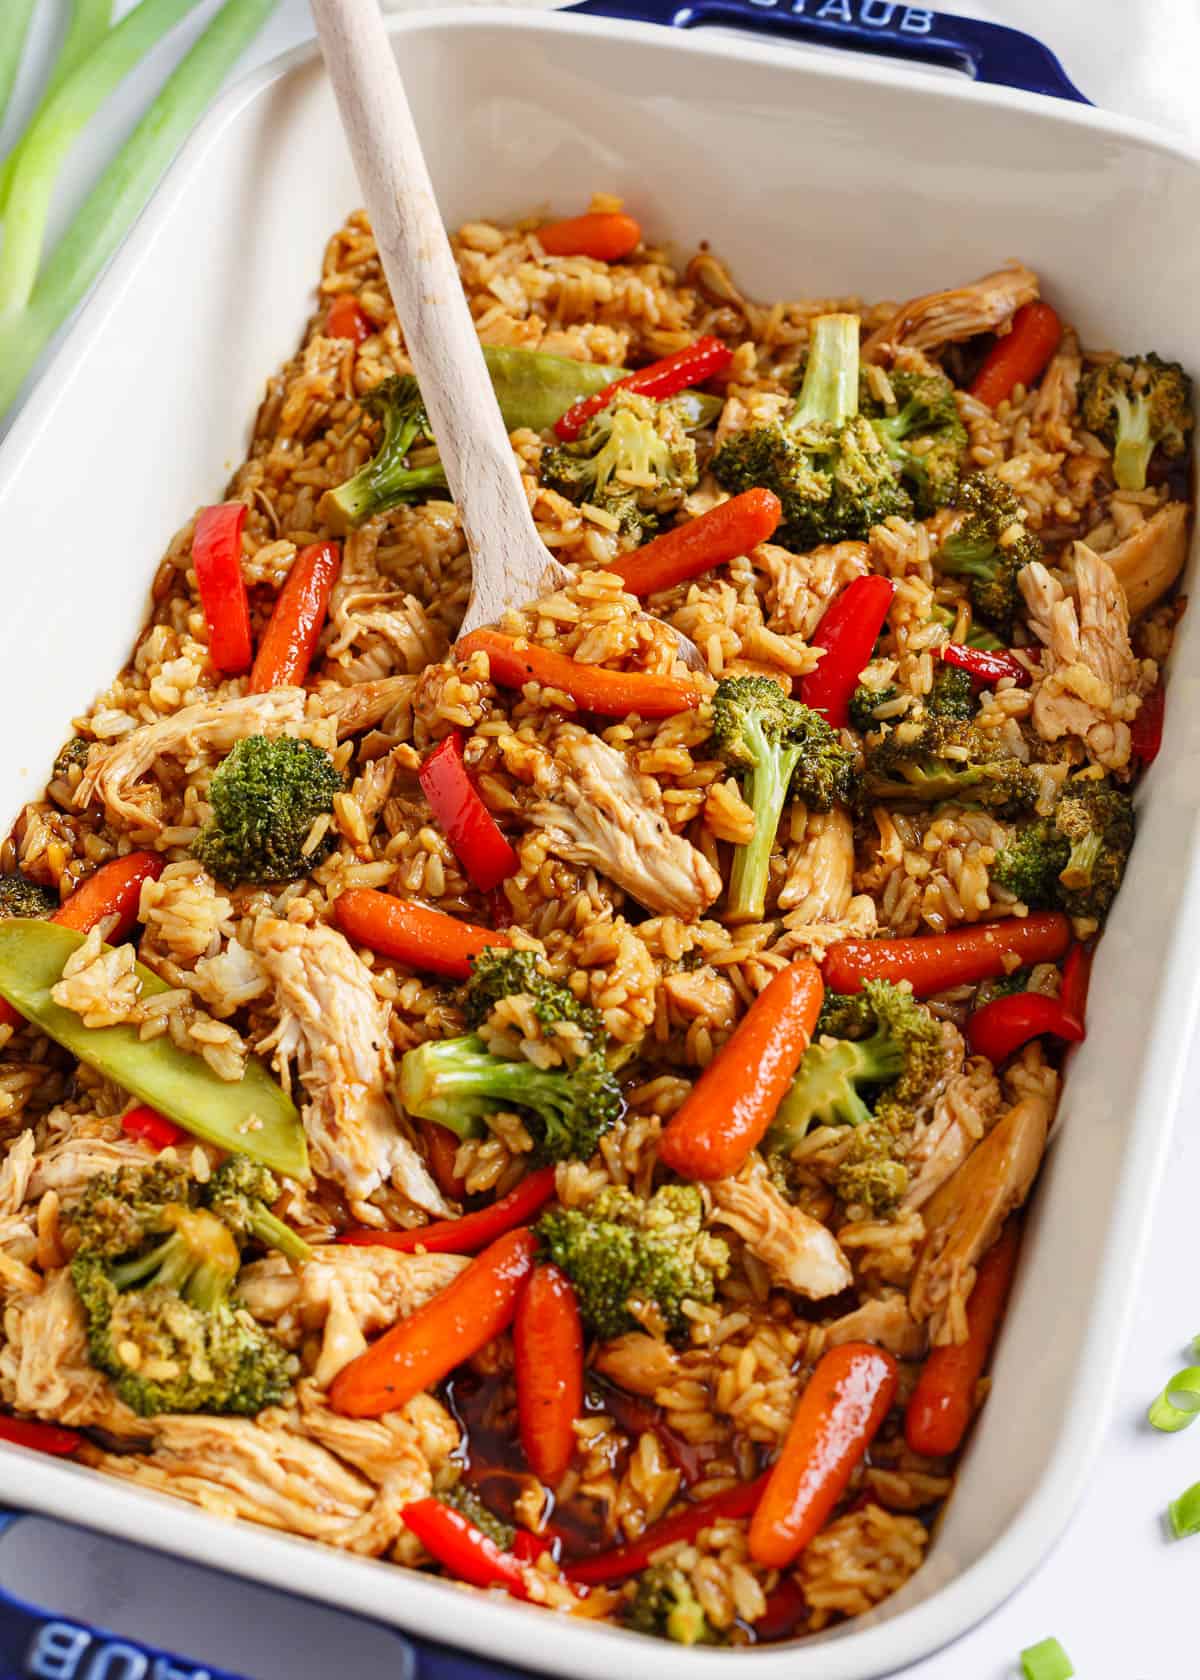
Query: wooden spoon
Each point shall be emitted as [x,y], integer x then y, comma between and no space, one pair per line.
[511,566]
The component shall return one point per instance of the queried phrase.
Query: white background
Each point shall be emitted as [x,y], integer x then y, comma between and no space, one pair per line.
[1117,1592]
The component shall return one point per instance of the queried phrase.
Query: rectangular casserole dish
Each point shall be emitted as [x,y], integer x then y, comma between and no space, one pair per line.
[813,175]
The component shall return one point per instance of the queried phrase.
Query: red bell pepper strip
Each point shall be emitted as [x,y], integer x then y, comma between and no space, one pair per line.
[473,832]
[632,1558]
[290,639]
[1076,979]
[41,1437]
[937,961]
[839,1414]
[528,1548]
[466,1551]
[684,552]
[217,557]
[1001,1027]
[1146,730]
[786,1609]
[593,689]
[412,933]
[348,319]
[422,1349]
[941,1405]
[474,1230]
[548,1361]
[986,667]
[1020,357]
[114,890]
[848,632]
[687,367]
[606,236]
[152,1127]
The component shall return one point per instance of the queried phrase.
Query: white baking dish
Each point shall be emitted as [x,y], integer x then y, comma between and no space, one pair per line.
[814,175]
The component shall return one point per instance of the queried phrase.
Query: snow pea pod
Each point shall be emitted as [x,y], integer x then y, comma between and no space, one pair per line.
[253,1116]
[535,389]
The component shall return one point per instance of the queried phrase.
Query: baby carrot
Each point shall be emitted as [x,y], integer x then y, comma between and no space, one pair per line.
[942,1402]
[733,1102]
[412,933]
[548,1356]
[725,531]
[941,960]
[839,1414]
[114,890]
[1020,356]
[425,1347]
[474,1230]
[607,693]
[605,235]
[290,639]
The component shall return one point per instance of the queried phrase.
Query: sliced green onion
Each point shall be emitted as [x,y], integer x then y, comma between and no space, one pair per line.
[1184,1513]
[14,24]
[1046,1661]
[121,192]
[1179,1403]
[50,136]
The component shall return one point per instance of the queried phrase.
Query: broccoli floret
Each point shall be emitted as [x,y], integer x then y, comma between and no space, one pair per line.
[869,1175]
[240,1192]
[1138,405]
[458,1083]
[19,896]
[389,478]
[666,1607]
[863,704]
[498,973]
[952,694]
[1095,820]
[924,436]
[634,460]
[631,1259]
[1028,865]
[465,1500]
[74,754]
[155,1270]
[1001,985]
[825,461]
[782,749]
[265,797]
[938,759]
[853,1081]
[989,549]
[845,1015]
[1074,860]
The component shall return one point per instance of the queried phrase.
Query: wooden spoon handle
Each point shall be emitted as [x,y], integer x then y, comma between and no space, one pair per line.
[421,272]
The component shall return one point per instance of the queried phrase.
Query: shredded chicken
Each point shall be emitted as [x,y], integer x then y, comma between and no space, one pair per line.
[802,585]
[361,705]
[66,1164]
[212,727]
[964,1216]
[600,814]
[44,1365]
[926,323]
[1147,563]
[799,1252]
[962,1114]
[885,1321]
[637,1362]
[332,1023]
[1058,394]
[1090,679]
[277,1470]
[375,1286]
[820,871]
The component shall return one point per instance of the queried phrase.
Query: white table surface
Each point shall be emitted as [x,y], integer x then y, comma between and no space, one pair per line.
[1119,1595]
